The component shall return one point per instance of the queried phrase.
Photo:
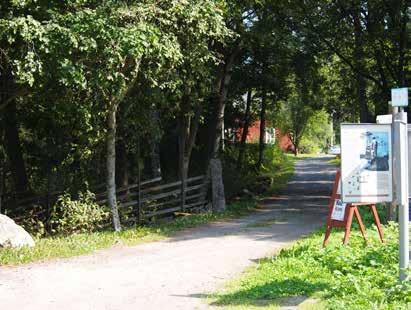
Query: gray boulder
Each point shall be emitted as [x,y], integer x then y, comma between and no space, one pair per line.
[13,235]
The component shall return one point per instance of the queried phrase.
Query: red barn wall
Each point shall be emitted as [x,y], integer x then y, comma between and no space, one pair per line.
[253,136]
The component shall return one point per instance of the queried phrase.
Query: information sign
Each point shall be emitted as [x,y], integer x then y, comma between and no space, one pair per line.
[338,213]
[399,97]
[366,163]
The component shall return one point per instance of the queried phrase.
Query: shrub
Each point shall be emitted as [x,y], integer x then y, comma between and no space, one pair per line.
[248,177]
[33,223]
[77,216]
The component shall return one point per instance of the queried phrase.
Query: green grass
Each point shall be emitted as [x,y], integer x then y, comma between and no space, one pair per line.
[79,244]
[302,155]
[356,276]
[281,175]
[335,161]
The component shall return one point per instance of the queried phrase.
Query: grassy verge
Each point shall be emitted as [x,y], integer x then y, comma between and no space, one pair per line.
[283,174]
[306,275]
[78,244]
[335,161]
[302,155]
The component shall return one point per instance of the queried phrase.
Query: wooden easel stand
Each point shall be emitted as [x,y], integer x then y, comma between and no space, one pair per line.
[350,212]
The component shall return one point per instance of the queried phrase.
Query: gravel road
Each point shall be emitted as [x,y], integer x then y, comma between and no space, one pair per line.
[174,273]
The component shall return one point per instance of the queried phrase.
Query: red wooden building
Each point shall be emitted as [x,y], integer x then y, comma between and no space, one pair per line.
[272,136]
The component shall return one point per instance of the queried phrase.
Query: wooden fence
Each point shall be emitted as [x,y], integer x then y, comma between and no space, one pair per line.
[137,203]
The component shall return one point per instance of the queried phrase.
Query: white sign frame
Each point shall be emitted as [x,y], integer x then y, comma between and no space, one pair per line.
[366,163]
[409,159]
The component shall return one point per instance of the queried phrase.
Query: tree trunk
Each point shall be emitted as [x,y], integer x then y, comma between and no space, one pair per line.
[194,124]
[2,179]
[13,148]
[187,134]
[262,130]
[155,163]
[111,166]
[218,101]
[182,159]
[403,44]
[244,134]
[359,59]
[295,151]
[122,179]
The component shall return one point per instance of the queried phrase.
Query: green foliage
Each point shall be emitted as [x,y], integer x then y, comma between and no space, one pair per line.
[70,216]
[275,171]
[316,137]
[356,276]
[293,117]
[65,63]
[33,224]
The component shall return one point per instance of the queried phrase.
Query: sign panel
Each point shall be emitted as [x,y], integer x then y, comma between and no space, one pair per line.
[384,119]
[399,97]
[366,163]
[338,213]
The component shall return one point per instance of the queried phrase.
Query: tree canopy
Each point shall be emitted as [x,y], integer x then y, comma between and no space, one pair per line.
[98,91]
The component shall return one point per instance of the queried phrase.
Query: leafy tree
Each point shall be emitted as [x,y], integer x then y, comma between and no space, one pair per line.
[317,135]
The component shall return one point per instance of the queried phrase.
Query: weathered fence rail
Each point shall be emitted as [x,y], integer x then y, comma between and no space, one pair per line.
[137,203]
[142,203]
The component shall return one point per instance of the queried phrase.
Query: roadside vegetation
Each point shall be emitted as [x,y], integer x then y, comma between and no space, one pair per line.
[357,276]
[276,169]
[96,95]
[78,230]
[60,246]
[336,161]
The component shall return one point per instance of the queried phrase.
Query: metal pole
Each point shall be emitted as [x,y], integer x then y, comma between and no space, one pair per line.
[392,209]
[400,152]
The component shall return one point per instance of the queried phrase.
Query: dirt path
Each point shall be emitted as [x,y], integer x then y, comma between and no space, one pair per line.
[176,273]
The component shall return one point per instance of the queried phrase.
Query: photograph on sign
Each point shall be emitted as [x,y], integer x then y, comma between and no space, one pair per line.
[366,163]
[338,213]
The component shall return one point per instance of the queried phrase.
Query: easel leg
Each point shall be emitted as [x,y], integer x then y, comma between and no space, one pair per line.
[360,223]
[327,235]
[348,224]
[377,222]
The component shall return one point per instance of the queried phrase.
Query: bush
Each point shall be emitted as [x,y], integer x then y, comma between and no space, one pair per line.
[317,134]
[249,177]
[33,223]
[77,216]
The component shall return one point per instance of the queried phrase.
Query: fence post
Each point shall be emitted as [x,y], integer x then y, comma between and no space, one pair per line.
[139,211]
[48,213]
[217,186]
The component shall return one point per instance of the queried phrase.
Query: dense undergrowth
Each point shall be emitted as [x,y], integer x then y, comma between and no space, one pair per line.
[357,276]
[276,169]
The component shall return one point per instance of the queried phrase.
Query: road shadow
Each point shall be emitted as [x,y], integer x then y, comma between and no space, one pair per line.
[299,208]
